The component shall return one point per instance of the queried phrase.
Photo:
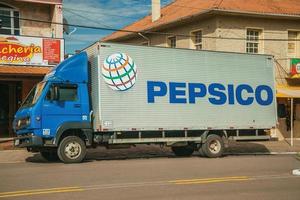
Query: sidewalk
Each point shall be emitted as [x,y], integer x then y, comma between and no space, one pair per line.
[153,151]
[6,144]
[263,147]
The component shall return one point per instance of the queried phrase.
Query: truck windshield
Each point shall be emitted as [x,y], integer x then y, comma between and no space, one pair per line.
[33,95]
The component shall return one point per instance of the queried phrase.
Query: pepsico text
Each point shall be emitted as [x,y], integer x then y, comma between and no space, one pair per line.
[215,93]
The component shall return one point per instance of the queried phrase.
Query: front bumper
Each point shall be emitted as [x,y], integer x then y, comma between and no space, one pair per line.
[28,141]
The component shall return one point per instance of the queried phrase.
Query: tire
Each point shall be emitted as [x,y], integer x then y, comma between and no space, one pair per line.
[71,149]
[213,147]
[183,151]
[50,156]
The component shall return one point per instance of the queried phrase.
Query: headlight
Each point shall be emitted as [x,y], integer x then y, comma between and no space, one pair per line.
[27,121]
[21,123]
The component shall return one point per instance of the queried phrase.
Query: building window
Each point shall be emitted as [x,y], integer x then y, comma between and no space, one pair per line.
[253,42]
[197,39]
[293,44]
[10,23]
[172,41]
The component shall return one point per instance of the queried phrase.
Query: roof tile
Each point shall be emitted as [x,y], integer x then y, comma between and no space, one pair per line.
[186,8]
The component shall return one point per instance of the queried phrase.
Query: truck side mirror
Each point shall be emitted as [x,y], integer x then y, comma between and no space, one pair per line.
[55,92]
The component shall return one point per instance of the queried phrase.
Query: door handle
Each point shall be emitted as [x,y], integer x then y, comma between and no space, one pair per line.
[77,105]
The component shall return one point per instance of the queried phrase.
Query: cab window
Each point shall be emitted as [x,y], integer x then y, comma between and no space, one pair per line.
[63,93]
[67,93]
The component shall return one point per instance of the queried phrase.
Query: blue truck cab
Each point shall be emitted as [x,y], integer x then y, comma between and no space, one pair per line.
[57,106]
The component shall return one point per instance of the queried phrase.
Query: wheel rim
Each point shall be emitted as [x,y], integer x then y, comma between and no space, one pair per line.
[214,146]
[73,150]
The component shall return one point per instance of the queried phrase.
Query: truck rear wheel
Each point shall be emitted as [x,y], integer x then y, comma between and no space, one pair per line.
[72,149]
[50,156]
[183,151]
[213,147]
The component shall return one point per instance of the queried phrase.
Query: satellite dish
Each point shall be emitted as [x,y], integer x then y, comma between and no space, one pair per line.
[66,27]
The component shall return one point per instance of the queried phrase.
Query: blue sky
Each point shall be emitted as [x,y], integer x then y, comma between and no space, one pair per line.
[101,13]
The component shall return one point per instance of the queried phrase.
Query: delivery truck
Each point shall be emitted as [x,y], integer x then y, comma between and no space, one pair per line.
[118,95]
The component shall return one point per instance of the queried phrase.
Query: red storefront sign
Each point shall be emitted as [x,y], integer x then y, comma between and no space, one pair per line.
[51,51]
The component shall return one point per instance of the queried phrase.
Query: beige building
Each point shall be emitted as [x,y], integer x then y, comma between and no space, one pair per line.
[256,26]
[28,50]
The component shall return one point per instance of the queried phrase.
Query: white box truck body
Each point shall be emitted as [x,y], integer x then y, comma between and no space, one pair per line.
[151,88]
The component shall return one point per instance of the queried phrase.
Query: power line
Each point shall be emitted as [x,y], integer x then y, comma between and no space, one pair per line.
[114,15]
[218,3]
[103,13]
[96,22]
[144,32]
[214,5]
[173,3]
[177,5]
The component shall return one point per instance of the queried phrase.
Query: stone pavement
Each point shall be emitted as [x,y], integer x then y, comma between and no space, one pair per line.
[153,151]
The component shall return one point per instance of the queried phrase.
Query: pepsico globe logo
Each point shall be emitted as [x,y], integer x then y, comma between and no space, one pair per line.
[119,71]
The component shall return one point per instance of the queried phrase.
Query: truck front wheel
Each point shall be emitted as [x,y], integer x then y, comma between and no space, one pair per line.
[72,149]
[213,146]
[183,151]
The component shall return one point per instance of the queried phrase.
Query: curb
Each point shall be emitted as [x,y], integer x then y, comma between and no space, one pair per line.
[264,153]
[6,140]
[253,153]
[12,150]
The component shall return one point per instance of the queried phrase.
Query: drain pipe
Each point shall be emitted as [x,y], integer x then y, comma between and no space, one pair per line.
[148,40]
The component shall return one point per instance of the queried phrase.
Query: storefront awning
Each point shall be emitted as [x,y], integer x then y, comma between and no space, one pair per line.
[285,91]
[24,70]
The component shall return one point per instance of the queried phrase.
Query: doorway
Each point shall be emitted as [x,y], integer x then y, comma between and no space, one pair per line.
[10,97]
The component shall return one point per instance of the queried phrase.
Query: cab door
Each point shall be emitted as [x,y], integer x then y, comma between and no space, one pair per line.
[62,104]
